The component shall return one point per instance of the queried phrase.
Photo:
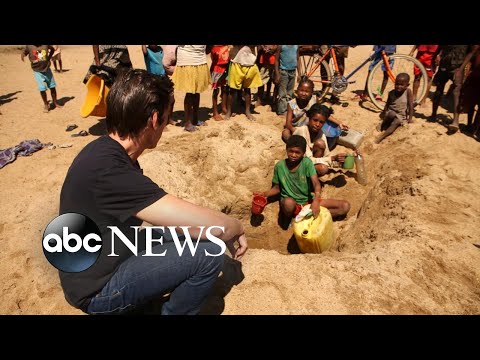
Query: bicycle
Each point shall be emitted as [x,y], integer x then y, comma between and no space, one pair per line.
[316,68]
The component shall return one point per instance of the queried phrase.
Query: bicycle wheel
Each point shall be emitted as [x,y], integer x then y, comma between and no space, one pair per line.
[321,76]
[399,64]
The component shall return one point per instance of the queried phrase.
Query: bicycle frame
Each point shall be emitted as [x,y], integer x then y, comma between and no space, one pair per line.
[320,71]
[331,51]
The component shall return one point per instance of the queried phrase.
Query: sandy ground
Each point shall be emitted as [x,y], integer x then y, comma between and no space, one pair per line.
[406,247]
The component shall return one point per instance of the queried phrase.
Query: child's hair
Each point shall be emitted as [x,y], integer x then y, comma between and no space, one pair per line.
[297,141]
[305,80]
[403,76]
[319,109]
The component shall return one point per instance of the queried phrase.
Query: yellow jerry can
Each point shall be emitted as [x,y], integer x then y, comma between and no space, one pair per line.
[314,235]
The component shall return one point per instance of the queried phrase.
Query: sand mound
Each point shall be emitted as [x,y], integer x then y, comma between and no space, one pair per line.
[218,165]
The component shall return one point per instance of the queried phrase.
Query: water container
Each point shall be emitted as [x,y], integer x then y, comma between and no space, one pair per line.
[349,162]
[350,138]
[258,204]
[95,101]
[360,168]
[314,235]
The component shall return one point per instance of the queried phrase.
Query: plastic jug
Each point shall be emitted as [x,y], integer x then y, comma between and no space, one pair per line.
[349,162]
[350,138]
[314,235]
[360,168]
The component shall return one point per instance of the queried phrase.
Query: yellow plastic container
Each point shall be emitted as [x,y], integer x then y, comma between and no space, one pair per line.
[95,102]
[314,235]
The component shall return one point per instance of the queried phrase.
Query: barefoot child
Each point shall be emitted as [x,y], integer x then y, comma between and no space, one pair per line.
[39,56]
[192,76]
[218,69]
[399,107]
[286,68]
[266,65]
[297,107]
[169,62]
[452,60]
[426,56]
[57,57]
[243,74]
[293,178]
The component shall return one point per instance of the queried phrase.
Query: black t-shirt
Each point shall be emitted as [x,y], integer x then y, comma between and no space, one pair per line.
[103,184]
[38,56]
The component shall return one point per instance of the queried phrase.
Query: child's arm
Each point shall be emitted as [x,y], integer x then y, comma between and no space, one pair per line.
[260,51]
[144,50]
[342,125]
[24,53]
[298,62]
[410,105]
[50,51]
[277,65]
[288,121]
[387,104]
[461,69]
[275,190]
[316,200]
[437,56]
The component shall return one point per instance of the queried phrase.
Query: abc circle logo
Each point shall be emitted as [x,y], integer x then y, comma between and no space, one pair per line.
[72,242]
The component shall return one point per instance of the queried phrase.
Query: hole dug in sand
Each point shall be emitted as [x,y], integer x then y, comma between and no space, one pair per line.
[220,167]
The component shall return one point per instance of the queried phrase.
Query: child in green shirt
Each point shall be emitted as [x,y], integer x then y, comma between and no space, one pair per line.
[293,178]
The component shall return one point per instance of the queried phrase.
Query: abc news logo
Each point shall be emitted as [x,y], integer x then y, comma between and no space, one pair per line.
[73,242]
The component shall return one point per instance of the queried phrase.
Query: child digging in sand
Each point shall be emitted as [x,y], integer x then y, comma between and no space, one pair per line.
[399,107]
[293,178]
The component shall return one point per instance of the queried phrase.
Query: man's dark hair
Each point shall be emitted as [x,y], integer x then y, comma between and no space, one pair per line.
[297,141]
[133,98]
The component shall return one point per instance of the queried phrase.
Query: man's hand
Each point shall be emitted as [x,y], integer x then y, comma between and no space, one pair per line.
[237,253]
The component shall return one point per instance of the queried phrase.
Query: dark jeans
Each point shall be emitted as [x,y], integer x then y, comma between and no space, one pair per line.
[140,279]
